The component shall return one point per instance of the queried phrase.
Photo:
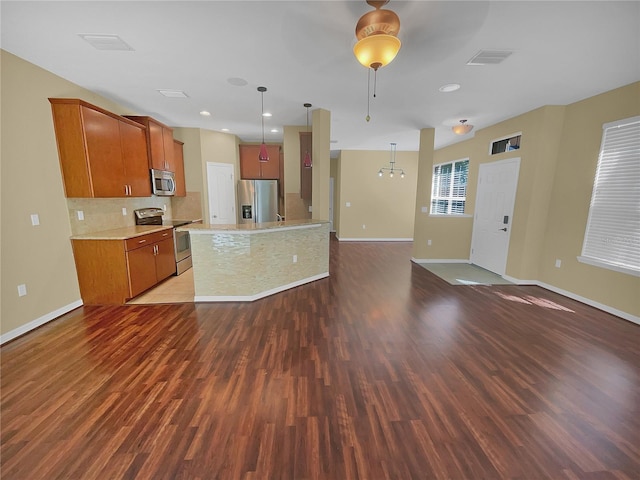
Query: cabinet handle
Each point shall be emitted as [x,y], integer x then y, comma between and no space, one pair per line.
[165,234]
[141,241]
[129,186]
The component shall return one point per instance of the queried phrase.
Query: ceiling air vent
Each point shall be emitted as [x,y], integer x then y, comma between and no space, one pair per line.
[105,42]
[489,57]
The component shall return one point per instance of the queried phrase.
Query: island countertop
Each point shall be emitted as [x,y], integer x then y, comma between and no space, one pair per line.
[249,228]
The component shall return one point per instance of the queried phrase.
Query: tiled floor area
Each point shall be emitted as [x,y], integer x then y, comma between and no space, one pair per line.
[175,289]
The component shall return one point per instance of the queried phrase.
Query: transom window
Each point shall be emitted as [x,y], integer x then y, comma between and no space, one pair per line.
[449,187]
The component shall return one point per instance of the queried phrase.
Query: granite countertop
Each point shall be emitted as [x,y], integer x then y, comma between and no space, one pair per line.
[122,233]
[204,228]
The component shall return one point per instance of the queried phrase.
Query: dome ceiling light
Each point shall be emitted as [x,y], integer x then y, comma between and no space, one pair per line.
[463,128]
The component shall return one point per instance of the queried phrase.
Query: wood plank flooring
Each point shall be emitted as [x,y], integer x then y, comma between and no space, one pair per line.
[381,371]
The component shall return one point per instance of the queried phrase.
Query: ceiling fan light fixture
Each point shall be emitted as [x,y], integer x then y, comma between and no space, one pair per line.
[462,129]
[377,50]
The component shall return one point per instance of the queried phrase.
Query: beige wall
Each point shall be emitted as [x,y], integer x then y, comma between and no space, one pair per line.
[39,257]
[321,140]
[559,153]
[384,205]
[569,199]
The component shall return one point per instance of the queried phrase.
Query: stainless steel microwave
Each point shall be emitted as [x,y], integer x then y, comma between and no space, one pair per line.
[163,182]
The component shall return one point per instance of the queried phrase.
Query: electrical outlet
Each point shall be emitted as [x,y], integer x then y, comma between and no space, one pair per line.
[124,211]
[22,290]
[295,259]
[364,226]
[429,242]
[558,263]
[310,208]
[164,207]
[80,215]
[35,219]
[424,209]
[348,204]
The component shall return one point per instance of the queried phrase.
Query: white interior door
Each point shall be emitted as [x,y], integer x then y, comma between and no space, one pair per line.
[497,185]
[222,193]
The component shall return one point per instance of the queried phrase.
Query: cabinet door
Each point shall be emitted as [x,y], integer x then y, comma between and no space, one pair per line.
[167,145]
[271,170]
[156,146]
[249,163]
[178,160]
[134,156]
[165,258]
[102,137]
[142,272]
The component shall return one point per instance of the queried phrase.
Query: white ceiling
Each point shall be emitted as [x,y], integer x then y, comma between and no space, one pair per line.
[563,51]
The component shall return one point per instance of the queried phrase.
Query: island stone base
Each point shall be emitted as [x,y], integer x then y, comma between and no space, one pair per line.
[245,265]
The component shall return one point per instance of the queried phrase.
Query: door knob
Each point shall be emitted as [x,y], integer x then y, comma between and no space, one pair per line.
[504,229]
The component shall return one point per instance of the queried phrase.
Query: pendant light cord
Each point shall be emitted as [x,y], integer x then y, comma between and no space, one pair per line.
[262,114]
[368,117]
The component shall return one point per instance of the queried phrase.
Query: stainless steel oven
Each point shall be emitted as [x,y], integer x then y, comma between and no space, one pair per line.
[182,243]
[181,240]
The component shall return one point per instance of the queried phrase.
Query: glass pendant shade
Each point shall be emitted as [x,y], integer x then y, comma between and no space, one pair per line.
[307,160]
[377,50]
[263,156]
[462,129]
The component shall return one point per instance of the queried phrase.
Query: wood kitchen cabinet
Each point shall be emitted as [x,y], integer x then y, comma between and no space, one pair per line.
[160,149]
[178,157]
[115,270]
[253,169]
[101,154]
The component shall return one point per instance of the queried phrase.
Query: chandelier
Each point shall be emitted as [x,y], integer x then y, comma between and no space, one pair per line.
[392,169]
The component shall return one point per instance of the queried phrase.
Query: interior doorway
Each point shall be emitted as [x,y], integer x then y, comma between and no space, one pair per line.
[221,193]
[497,186]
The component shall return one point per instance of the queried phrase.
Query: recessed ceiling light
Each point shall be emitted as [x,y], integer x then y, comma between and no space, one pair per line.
[204,113]
[172,93]
[266,114]
[225,129]
[105,42]
[236,81]
[449,87]
[274,130]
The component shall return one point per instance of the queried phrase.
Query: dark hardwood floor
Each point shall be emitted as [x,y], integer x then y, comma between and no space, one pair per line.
[382,371]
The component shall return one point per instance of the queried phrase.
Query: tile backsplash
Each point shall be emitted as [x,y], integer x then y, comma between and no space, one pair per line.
[106,213]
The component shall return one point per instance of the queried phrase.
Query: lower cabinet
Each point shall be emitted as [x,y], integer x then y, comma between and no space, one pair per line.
[114,271]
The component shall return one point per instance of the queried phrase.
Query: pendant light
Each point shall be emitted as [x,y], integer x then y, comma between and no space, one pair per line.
[263,156]
[307,156]
[392,169]
[463,128]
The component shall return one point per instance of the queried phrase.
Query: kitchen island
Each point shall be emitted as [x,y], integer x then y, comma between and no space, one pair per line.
[246,262]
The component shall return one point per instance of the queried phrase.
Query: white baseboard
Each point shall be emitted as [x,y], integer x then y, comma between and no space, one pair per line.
[257,296]
[27,327]
[374,239]
[592,303]
[440,260]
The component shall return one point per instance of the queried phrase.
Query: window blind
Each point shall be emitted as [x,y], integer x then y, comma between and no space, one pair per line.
[449,188]
[612,237]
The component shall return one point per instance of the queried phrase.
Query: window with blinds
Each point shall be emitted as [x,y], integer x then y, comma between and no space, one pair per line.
[449,188]
[612,237]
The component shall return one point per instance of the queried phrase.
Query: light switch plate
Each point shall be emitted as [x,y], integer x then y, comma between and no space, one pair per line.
[424,209]
[124,211]
[348,204]
[80,214]
[22,290]
[35,219]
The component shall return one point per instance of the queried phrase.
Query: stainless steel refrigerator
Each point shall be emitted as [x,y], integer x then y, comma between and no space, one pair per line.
[257,201]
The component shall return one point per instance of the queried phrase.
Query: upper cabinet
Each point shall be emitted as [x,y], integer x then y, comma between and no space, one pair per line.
[178,157]
[101,154]
[160,143]
[253,169]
